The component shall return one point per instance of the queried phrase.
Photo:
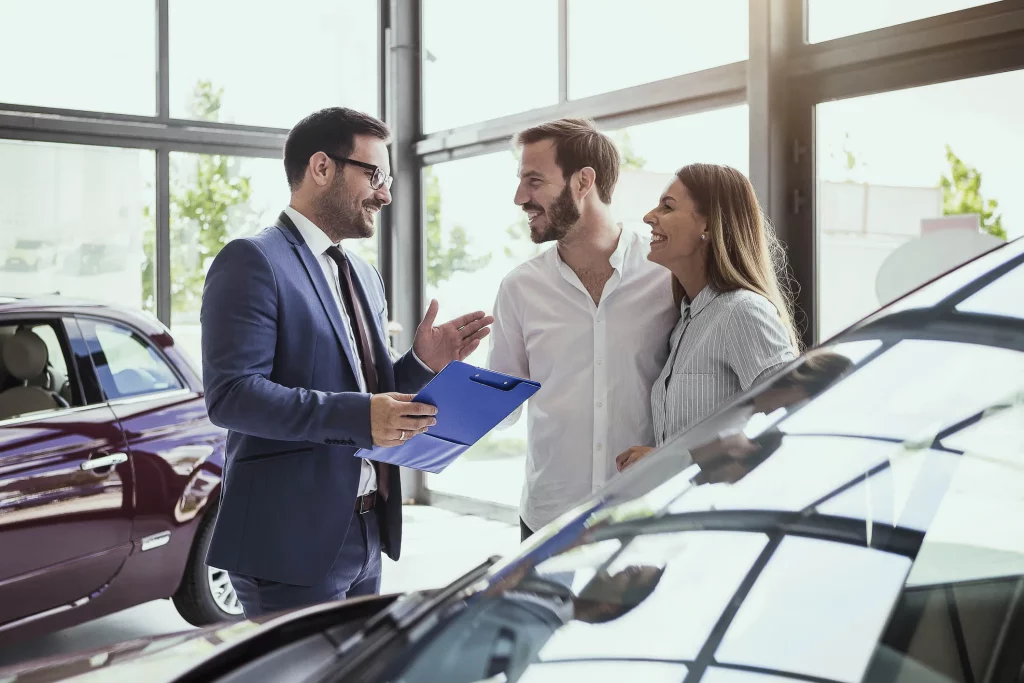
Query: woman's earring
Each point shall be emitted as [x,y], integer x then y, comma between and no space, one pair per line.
[704,236]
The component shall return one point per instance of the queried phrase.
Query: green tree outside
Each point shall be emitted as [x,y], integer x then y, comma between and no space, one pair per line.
[201,215]
[961,194]
[445,257]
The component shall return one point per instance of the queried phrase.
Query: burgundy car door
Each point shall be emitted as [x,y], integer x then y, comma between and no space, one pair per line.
[66,486]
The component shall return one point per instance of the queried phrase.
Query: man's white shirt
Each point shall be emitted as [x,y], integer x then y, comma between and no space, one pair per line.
[596,364]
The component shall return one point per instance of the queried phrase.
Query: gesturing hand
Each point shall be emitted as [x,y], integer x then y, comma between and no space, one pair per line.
[439,345]
[394,418]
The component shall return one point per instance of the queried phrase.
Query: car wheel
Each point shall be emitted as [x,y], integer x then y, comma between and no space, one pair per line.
[206,596]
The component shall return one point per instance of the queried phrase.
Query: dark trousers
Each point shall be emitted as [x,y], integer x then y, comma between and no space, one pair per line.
[524,531]
[356,572]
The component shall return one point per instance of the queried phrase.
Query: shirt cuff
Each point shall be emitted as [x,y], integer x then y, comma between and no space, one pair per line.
[422,364]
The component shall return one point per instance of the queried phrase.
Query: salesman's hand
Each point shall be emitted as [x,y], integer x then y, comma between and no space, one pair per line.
[394,418]
[439,345]
[627,458]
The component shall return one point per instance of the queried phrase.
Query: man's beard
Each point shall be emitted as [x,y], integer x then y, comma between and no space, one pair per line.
[340,218]
[561,216]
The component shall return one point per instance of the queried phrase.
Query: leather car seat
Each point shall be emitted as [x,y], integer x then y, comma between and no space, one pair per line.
[25,356]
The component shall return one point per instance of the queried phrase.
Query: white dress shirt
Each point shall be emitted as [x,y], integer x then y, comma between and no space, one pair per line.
[318,243]
[596,365]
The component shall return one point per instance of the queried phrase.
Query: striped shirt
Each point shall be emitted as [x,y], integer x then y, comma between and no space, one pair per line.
[723,343]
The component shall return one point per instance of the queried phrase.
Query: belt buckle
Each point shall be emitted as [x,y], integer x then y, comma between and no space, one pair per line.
[366,502]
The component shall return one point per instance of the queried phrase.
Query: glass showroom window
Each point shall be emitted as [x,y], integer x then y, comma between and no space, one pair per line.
[652,152]
[214,199]
[890,164]
[78,220]
[76,57]
[828,19]
[475,67]
[475,235]
[256,68]
[613,46]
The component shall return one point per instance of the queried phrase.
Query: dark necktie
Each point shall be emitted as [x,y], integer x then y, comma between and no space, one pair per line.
[351,300]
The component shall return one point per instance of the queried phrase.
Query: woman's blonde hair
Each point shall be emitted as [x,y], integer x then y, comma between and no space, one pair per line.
[743,250]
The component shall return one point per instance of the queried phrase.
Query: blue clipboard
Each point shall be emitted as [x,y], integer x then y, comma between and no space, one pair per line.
[470,402]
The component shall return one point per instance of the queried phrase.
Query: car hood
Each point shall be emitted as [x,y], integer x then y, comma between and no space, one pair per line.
[154,660]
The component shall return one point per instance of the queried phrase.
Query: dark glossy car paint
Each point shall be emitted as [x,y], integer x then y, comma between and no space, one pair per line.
[77,544]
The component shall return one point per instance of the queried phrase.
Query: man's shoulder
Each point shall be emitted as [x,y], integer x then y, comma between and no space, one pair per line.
[531,270]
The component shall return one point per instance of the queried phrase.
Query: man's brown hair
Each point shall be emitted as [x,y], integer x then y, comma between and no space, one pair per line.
[579,144]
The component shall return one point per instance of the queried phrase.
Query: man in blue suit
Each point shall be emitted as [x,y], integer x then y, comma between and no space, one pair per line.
[297,367]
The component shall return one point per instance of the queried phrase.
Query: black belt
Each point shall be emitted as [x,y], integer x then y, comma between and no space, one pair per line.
[366,503]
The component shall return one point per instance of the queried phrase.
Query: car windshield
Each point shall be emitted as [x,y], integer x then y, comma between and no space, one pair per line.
[860,516]
[29,244]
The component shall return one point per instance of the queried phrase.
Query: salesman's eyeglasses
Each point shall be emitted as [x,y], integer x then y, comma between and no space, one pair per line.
[379,178]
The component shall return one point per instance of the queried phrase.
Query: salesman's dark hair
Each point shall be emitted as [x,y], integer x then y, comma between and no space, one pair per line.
[332,130]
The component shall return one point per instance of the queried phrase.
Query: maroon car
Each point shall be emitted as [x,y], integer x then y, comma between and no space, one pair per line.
[110,469]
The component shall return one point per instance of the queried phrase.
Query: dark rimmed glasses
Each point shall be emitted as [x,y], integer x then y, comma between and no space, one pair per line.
[378,179]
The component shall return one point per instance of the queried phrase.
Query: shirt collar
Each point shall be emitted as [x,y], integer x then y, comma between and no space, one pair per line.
[315,238]
[618,257]
[700,302]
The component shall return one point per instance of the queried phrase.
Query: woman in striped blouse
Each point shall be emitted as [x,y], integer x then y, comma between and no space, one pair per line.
[737,322]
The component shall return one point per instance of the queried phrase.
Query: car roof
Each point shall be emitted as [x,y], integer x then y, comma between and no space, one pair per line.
[56,304]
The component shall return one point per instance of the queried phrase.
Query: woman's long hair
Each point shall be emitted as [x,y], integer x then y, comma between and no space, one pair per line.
[743,250]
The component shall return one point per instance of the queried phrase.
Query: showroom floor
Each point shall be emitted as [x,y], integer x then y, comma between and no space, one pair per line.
[438,546]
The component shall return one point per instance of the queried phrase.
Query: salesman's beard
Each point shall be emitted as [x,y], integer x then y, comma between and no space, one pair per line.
[341,216]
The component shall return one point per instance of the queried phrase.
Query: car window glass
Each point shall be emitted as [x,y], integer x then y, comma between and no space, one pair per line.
[34,375]
[796,598]
[131,367]
[1002,297]
[55,354]
[913,391]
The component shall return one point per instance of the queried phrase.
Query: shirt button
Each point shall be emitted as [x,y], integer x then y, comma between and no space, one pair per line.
[599,361]
[600,447]
[599,404]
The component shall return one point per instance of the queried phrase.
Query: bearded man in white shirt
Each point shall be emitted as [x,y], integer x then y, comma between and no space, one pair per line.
[589,319]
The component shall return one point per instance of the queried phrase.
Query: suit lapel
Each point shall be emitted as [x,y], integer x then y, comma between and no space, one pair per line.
[316,276]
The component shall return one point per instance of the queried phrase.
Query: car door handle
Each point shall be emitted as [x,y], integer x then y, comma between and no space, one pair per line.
[104,461]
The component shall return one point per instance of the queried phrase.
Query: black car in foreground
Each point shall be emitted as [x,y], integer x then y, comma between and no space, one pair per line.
[859,516]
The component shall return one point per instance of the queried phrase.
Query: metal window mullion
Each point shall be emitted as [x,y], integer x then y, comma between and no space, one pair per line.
[563,51]
[163,79]
[163,235]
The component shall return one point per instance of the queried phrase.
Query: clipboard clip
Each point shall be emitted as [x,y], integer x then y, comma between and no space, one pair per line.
[499,383]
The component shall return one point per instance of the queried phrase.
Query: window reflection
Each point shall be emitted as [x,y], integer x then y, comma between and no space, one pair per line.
[1002,297]
[913,391]
[788,621]
[701,570]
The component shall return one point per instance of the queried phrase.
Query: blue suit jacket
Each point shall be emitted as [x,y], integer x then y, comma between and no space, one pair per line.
[279,374]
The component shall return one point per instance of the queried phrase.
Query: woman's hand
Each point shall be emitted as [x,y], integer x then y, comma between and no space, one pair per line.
[627,458]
